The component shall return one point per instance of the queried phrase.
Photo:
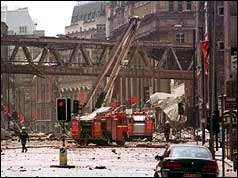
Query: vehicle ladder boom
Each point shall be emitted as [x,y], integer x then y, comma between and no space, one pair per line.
[120,51]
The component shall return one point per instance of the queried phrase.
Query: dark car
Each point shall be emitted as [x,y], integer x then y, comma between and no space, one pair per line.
[184,160]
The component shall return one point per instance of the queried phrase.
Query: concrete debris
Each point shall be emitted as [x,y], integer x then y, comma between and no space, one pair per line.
[100,167]
[6,134]
[144,140]
[114,151]
[152,146]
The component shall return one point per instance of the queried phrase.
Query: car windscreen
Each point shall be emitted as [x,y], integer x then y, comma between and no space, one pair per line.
[190,152]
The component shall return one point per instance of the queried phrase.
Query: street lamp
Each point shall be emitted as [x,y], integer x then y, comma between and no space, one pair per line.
[222,97]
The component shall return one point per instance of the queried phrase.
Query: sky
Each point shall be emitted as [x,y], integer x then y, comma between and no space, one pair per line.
[51,16]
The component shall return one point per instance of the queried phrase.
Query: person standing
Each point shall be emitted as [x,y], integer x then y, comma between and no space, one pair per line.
[167,130]
[24,137]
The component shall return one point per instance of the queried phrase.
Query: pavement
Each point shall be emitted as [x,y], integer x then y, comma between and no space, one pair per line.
[89,162]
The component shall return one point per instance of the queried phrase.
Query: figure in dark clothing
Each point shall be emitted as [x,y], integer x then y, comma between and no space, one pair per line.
[167,130]
[23,137]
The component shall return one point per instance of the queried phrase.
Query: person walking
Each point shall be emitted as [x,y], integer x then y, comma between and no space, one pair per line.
[167,130]
[24,137]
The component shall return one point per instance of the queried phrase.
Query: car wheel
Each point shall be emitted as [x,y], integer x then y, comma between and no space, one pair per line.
[156,175]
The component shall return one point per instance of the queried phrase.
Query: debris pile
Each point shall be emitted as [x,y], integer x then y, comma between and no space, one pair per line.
[43,136]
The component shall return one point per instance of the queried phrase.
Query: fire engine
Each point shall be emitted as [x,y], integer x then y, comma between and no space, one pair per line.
[140,125]
[104,127]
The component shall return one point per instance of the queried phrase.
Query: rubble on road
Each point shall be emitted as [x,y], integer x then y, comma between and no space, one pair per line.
[100,167]
[43,136]
[6,134]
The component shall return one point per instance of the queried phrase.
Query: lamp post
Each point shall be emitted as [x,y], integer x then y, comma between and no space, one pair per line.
[222,96]
[194,82]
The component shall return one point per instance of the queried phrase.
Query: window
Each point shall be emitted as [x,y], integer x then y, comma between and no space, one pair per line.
[180,6]
[180,37]
[221,11]
[171,6]
[23,29]
[188,5]
[220,45]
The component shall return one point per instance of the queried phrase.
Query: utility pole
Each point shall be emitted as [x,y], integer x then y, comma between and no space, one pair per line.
[214,78]
[210,24]
[197,62]
[194,86]
[200,34]
[223,134]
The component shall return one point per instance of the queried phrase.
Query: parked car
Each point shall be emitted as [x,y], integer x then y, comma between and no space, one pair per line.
[185,160]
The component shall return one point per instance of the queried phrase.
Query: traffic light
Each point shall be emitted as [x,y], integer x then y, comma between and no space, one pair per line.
[180,108]
[61,109]
[215,122]
[75,107]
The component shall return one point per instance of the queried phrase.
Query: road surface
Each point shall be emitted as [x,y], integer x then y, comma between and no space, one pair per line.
[113,161]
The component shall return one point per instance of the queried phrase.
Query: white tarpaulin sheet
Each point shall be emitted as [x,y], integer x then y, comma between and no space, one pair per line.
[92,115]
[168,102]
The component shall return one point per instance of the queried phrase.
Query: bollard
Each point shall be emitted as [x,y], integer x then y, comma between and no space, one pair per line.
[63,159]
[63,156]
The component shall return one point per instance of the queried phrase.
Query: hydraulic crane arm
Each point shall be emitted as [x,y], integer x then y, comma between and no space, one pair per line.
[116,69]
[119,52]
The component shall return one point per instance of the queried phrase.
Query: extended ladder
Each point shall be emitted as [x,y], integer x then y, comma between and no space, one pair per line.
[121,49]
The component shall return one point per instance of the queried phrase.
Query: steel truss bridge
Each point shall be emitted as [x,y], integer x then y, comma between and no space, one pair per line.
[64,50]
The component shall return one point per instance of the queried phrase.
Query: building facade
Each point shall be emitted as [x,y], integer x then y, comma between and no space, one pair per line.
[19,21]
[225,52]
[230,48]
[23,87]
[5,83]
[88,21]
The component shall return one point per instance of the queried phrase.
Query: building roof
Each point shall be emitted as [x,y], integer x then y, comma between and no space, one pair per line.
[16,18]
[80,11]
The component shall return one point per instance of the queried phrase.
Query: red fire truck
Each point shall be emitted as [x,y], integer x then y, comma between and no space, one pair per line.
[140,126]
[104,128]
[112,126]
